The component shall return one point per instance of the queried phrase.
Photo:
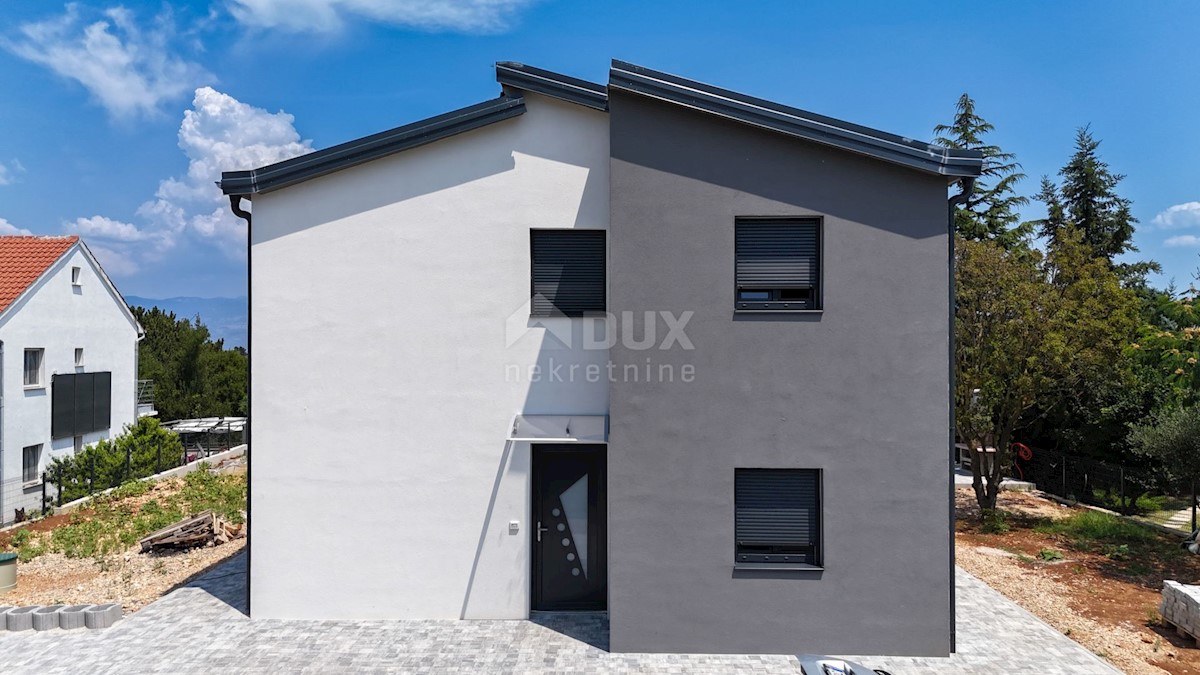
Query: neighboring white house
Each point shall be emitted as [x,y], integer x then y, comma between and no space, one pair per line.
[68,360]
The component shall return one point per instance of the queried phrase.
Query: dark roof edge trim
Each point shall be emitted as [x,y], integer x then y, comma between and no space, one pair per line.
[571,89]
[352,153]
[794,122]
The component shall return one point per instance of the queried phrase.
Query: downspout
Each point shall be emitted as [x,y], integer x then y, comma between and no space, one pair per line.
[235,204]
[952,204]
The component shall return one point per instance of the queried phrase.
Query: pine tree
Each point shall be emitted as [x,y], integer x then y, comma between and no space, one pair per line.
[1088,201]
[990,212]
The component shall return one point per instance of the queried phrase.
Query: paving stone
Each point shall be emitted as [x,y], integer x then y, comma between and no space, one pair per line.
[202,628]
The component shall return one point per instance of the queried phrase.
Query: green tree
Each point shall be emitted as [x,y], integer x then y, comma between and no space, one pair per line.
[989,213]
[1087,201]
[194,376]
[1029,329]
[1173,438]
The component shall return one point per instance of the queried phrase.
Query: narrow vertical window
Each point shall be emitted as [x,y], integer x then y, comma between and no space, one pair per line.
[75,276]
[79,356]
[33,367]
[31,462]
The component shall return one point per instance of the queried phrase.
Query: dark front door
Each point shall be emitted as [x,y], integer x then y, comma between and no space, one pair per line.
[570,566]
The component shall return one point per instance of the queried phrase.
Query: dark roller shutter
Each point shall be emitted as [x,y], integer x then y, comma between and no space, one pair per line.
[101,401]
[777,515]
[773,254]
[62,406]
[568,272]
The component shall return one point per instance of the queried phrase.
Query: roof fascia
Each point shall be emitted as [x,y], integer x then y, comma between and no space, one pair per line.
[352,153]
[794,122]
[574,90]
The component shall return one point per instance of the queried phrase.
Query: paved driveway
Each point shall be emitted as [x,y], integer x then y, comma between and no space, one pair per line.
[201,629]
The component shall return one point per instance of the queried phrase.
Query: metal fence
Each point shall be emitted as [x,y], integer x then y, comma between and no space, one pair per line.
[22,500]
[1082,479]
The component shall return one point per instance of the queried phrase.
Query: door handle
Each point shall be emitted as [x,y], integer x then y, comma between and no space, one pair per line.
[540,530]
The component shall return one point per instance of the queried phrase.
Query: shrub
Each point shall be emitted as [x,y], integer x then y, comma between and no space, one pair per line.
[142,450]
[1050,555]
[994,522]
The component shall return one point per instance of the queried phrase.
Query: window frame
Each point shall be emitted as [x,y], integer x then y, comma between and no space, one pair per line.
[79,357]
[568,231]
[37,465]
[782,561]
[41,368]
[776,304]
[76,276]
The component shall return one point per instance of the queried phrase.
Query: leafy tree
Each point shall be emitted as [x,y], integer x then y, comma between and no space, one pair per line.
[1173,439]
[194,376]
[990,212]
[1029,329]
[1168,348]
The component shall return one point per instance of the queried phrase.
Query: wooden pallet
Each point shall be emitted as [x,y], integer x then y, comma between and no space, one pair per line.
[1181,631]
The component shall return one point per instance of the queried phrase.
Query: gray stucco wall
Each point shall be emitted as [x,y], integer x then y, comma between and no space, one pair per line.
[859,391]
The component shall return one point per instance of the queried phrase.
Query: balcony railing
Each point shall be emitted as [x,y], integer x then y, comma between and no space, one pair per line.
[145,398]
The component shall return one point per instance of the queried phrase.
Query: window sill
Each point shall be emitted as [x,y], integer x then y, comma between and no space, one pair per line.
[31,484]
[777,311]
[34,387]
[778,567]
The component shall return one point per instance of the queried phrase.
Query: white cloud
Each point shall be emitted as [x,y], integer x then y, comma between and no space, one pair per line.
[9,171]
[106,228]
[1178,217]
[1183,240]
[116,263]
[7,229]
[323,16]
[219,133]
[129,70]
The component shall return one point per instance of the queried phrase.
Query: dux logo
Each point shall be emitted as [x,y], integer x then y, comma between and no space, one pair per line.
[636,331]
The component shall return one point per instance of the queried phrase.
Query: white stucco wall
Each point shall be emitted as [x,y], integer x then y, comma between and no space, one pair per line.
[383,383]
[59,317]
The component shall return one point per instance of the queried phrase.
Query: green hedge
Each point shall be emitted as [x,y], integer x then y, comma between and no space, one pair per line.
[142,450]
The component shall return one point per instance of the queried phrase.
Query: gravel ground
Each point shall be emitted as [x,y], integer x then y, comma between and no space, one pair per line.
[133,579]
[1049,600]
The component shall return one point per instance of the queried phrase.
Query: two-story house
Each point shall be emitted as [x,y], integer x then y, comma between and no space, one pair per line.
[654,348]
[68,361]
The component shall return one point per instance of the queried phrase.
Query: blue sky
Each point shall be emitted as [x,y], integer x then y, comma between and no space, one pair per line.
[116,119]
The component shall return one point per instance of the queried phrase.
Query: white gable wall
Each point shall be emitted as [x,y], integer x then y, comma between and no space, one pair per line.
[383,386]
[58,317]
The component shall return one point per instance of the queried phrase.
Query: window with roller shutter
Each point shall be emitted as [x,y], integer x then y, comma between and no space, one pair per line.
[568,272]
[777,516]
[777,264]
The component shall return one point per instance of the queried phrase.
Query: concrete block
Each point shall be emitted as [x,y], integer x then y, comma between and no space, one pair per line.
[3,622]
[101,616]
[20,618]
[70,618]
[45,618]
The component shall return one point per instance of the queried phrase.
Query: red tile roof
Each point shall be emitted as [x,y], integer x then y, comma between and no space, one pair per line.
[24,259]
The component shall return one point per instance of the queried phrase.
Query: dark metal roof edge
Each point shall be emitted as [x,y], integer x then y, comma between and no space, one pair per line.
[571,89]
[794,121]
[352,153]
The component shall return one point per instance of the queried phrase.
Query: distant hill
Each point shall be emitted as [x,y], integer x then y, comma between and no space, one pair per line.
[226,318]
